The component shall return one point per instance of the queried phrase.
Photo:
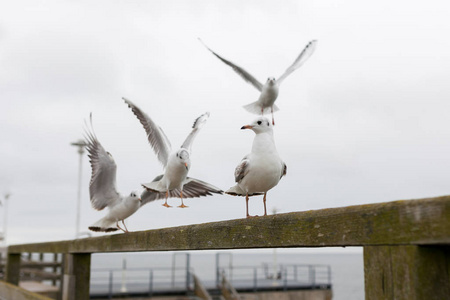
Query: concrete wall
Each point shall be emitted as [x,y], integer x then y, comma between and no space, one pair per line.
[289,295]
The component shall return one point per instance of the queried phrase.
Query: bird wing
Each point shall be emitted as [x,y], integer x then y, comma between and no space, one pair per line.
[301,59]
[155,135]
[198,124]
[242,169]
[102,187]
[240,71]
[192,188]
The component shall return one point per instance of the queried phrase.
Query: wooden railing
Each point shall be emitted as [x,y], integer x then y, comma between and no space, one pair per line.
[406,244]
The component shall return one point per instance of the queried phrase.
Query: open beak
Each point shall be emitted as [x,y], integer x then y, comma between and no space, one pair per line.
[247,127]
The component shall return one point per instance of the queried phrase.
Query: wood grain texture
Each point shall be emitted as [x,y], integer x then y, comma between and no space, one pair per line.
[408,222]
[407,272]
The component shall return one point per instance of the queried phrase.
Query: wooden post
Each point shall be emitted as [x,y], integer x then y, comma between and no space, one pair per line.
[407,272]
[77,271]
[13,268]
[55,268]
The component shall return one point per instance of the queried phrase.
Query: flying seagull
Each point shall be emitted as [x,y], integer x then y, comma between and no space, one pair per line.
[174,182]
[260,170]
[102,187]
[269,91]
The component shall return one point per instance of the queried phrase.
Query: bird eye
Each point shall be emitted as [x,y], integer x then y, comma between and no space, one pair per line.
[259,122]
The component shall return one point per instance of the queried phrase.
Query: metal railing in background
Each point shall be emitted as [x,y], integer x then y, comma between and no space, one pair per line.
[295,276]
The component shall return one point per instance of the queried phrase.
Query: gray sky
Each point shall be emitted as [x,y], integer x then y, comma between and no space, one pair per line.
[364,120]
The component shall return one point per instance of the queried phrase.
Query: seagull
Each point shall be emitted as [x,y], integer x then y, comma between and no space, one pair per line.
[269,91]
[103,190]
[260,170]
[174,182]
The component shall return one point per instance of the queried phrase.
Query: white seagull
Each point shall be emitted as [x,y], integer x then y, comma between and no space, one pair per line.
[260,170]
[103,190]
[174,182]
[269,91]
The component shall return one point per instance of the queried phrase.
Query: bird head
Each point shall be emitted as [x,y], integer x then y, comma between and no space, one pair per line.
[271,80]
[183,158]
[134,196]
[259,125]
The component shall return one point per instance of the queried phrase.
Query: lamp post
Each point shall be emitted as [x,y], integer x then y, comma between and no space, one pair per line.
[5,216]
[80,144]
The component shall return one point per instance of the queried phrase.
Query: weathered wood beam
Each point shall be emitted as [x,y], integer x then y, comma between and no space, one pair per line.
[77,274]
[408,222]
[12,274]
[407,272]
[38,275]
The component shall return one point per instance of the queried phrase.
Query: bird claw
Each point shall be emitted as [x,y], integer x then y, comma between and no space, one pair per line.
[182,206]
[249,217]
[166,205]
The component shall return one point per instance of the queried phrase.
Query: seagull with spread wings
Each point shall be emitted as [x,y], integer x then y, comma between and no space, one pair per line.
[269,91]
[174,182]
[102,187]
[260,170]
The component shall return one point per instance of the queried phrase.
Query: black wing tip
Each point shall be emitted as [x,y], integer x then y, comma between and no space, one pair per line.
[243,195]
[101,229]
[207,114]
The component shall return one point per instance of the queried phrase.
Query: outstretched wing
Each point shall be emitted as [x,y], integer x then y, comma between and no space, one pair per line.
[240,71]
[301,59]
[155,135]
[198,124]
[193,188]
[102,187]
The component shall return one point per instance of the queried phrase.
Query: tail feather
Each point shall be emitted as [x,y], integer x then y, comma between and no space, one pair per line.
[255,108]
[104,225]
[237,191]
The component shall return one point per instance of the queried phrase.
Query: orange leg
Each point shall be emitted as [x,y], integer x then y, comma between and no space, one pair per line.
[117,224]
[246,205]
[264,200]
[125,226]
[273,120]
[165,203]
[182,204]
[262,110]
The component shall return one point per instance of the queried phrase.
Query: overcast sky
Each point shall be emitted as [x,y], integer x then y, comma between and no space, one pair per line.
[365,120]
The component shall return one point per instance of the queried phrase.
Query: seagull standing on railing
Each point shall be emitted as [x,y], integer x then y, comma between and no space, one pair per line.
[102,187]
[260,170]
[269,91]
[174,182]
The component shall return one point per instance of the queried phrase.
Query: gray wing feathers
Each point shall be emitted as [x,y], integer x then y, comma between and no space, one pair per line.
[301,59]
[241,170]
[240,71]
[102,187]
[155,135]
[193,188]
[198,123]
